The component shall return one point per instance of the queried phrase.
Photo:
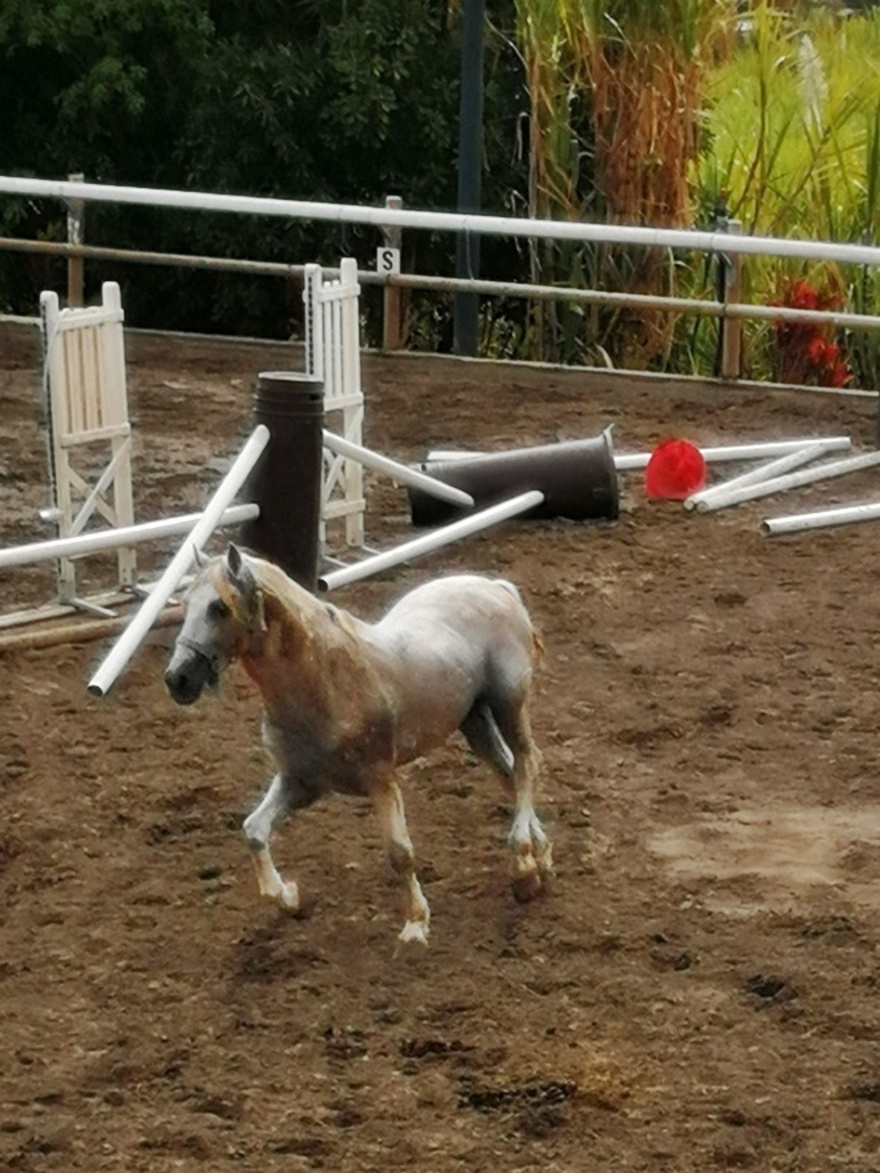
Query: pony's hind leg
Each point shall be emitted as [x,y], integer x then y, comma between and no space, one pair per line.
[530,848]
[257,828]
[388,802]
[482,734]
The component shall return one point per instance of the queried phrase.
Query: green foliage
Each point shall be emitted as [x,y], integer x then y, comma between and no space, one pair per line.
[95,87]
[793,143]
[618,109]
[787,119]
[332,100]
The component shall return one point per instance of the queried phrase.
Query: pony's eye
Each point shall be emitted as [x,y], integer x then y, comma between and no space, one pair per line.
[217,609]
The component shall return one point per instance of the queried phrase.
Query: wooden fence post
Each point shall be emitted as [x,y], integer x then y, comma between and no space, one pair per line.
[392,315]
[76,215]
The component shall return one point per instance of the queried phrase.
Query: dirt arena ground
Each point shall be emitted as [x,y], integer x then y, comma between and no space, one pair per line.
[700,988]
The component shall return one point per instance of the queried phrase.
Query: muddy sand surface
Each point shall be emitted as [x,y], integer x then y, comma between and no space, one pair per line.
[699,988]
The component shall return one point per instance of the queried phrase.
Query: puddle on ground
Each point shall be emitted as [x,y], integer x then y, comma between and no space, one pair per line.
[760,859]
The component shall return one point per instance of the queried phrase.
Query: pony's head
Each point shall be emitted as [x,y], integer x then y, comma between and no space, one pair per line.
[223,610]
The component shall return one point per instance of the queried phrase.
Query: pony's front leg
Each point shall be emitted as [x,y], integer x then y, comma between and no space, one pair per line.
[258,827]
[389,807]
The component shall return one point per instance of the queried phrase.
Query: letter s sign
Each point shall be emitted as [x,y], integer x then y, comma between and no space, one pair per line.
[388,261]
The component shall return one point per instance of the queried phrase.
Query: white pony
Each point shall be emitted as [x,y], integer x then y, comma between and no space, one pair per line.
[346,702]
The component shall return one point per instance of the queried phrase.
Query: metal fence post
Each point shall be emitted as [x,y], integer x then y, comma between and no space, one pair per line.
[392,315]
[76,217]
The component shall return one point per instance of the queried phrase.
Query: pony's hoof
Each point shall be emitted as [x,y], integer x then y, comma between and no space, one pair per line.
[414,930]
[527,887]
[288,899]
[544,857]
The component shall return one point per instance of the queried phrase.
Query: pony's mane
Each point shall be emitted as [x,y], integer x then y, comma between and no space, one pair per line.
[285,599]
[276,584]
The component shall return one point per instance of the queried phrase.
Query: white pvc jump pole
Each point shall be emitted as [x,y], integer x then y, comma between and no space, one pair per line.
[635,460]
[143,620]
[441,455]
[401,472]
[629,461]
[125,535]
[794,480]
[432,541]
[764,472]
[822,519]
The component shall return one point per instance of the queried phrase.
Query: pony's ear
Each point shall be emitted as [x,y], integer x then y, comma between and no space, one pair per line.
[243,579]
[201,558]
[234,561]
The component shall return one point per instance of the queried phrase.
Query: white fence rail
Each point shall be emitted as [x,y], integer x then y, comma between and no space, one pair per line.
[388,217]
[392,218]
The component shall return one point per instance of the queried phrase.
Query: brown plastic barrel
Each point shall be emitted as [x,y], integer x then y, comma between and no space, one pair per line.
[286,482]
[577,477]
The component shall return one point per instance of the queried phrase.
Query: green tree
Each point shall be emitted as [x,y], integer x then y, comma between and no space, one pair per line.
[314,99]
[98,88]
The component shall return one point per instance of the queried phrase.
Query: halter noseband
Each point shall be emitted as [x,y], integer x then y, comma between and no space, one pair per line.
[212,657]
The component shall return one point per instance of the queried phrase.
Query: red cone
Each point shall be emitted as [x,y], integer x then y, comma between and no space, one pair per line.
[676,469]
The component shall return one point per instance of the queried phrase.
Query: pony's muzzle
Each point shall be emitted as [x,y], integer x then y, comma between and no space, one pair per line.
[187,674]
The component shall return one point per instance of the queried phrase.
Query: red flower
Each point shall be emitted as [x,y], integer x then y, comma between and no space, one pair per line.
[840,375]
[806,351]
[802,296]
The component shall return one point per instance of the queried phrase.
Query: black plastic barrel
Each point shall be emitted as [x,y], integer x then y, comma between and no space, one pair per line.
[577,477]
[286,481]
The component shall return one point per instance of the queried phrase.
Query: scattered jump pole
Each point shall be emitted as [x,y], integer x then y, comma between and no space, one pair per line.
[440,455]
[400,472]
[822,519]
[630,461]
[794,480]
[137,629]
[634,460]
[432,541]
[764,472]
[127,535]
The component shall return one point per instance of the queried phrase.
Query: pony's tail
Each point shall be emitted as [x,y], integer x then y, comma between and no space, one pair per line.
[538,649]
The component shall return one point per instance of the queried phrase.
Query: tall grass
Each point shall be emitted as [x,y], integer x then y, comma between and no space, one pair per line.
[554,153]
[677,113]
[793,144]
[615,94]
